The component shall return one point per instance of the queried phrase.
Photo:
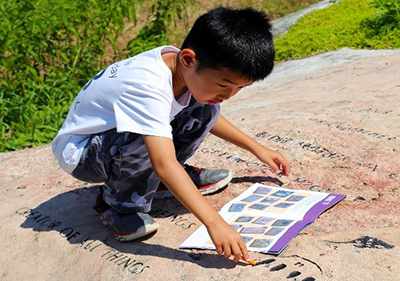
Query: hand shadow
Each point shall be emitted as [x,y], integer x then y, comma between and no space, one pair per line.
[70,214]
[257,179]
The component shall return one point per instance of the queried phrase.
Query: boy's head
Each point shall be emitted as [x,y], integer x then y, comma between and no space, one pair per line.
[239,40]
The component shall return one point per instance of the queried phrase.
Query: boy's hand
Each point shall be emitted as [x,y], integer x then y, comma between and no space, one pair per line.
[228,241]
[274,159]
[227,131]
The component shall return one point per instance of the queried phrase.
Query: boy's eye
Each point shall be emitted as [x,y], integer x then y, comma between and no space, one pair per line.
[222,85]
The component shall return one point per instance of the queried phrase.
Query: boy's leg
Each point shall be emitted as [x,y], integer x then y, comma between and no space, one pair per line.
[190,127]
[121,161]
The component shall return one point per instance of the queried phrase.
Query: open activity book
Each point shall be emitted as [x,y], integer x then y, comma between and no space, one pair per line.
[268,217]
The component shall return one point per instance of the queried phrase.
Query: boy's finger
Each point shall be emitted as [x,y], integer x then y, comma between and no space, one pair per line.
[283,165]
[227,251]
[219,250]
[274,167]
[286,170]
[243,249]
[236,252]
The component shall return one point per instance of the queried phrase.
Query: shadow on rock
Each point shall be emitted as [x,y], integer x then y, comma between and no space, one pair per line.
[70,214]
[257,179]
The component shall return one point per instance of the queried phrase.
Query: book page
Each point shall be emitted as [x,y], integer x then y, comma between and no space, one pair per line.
[267,217]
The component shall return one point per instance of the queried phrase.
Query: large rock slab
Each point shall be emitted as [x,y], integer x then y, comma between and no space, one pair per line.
[334,116]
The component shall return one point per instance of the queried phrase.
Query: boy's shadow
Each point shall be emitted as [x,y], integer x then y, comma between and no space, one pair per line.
[70,214]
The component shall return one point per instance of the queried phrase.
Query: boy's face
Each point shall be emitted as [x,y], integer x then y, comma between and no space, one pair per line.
[210,86]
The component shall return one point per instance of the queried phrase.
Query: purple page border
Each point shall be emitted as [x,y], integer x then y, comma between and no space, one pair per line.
[309,217]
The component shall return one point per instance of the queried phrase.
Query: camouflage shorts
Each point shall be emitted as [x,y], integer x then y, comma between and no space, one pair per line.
[121,161]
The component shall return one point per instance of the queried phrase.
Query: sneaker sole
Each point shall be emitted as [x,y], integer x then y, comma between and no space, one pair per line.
[204,190]
[142,231]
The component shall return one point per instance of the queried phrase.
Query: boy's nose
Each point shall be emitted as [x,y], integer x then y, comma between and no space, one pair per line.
[229,94]
[224,97]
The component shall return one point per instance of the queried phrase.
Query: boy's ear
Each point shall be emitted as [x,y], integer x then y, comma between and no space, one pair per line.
[187,58]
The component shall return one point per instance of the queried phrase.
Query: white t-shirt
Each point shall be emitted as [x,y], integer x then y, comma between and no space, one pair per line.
[133,95]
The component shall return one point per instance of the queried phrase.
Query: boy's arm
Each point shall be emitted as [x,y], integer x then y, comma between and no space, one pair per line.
[162,156]
[227,131]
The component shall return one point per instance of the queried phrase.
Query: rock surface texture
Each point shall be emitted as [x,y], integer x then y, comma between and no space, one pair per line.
[335,116]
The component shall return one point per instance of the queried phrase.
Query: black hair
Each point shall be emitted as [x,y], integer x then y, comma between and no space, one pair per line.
[238,39]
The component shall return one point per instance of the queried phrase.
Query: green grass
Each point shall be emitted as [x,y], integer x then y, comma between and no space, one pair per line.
[357,24]
[49,49]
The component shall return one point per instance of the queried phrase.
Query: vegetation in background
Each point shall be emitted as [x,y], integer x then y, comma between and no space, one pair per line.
[274,8]
[164,13]
[357,24]
[50,48]
[385,21]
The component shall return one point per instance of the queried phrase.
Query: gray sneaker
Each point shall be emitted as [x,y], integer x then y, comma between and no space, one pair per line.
[207,181]
[127,227]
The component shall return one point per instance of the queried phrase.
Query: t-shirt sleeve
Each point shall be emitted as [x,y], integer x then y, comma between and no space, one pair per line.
[144,110]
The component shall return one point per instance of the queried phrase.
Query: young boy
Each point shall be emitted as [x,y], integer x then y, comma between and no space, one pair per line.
[137,122]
